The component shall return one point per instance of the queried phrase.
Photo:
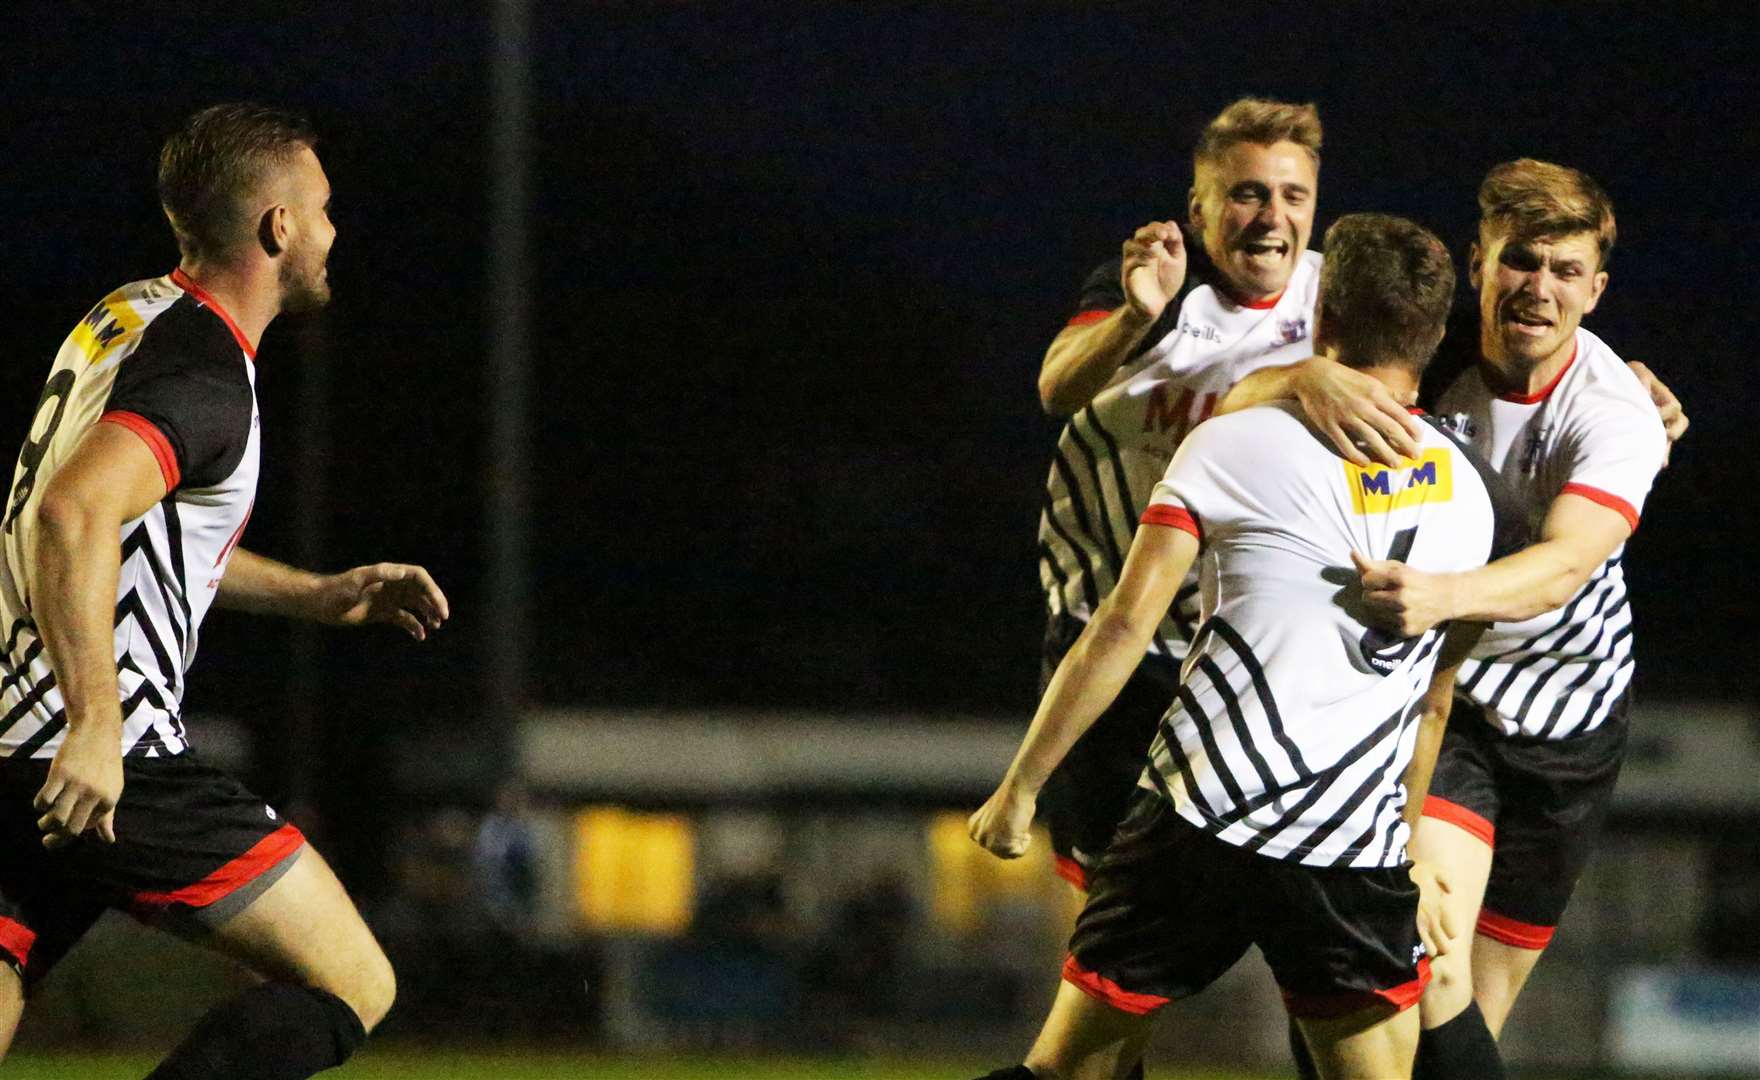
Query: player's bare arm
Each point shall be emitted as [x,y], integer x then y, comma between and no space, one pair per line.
[1356,412]
[397,593]
[1083,359]
[1088,679]
[1576,538]
[76,557]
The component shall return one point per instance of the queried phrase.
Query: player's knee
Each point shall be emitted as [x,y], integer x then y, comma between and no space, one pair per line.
[1450,989]
[375,991]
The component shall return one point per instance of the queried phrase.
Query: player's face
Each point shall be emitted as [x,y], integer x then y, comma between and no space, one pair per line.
[1255,208]
[305,275]
[1533,294]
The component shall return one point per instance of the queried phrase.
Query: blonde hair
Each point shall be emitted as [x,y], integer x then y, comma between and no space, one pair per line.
[1261,122]
[1529,199]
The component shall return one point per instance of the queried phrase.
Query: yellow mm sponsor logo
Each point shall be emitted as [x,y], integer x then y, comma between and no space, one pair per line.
[1378,489]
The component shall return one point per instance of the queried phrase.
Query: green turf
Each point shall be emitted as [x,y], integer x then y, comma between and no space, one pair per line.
[390,1064]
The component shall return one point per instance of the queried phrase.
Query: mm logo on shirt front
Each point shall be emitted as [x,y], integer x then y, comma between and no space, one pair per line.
[1378,489]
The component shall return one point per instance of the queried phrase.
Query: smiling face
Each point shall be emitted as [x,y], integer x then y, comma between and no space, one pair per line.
[1254,205]
[1533,293]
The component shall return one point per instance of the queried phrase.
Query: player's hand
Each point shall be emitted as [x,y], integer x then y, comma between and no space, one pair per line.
[1001,825]
[1433,917]
[1668,407]
[1355,412]
[1402,600]
[83,787]
[396,593]
[1154,268]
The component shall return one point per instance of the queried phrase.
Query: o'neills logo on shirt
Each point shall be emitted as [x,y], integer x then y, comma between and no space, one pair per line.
[1377,489]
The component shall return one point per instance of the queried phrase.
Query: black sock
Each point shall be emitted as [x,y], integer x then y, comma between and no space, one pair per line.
[1462,1048]
[1014,1072]
[276,1031]
[1136,1072]
[1298,1050]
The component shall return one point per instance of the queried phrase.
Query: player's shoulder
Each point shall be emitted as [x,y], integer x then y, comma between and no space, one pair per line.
[1603,389]
[1275,428]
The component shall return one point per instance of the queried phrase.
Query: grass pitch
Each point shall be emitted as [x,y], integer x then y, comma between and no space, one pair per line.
[402,1064]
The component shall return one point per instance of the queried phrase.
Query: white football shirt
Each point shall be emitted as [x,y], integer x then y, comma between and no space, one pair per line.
[1112,452]
[1595,433]
[1295,720]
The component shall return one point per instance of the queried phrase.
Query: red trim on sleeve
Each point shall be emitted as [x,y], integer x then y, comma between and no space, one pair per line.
[1087,318]
[1514,932]
[1071,871]
[16,940]
[206,299]
[236,874]
[1107,992]
[1332,1006]
[1456,814]
[1545,391]
[1177,517]
[1605,498]
[153,437]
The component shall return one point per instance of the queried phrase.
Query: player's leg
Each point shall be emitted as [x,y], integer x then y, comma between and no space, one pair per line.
[1555,798]
[1457,838]
[329,984]
[1461,859]
[1499,973]
[11,1006]
[1086,1039]
[1371,1044]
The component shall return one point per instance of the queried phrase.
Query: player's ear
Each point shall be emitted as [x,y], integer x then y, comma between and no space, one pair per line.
[1596,287]
[1195,208]
[1474,273]
[272,230]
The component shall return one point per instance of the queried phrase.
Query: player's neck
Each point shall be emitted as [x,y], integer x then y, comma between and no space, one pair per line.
[1511,375]
[1398,379]
[250,296]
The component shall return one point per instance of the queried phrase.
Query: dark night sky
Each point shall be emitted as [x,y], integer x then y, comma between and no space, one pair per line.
[795,272]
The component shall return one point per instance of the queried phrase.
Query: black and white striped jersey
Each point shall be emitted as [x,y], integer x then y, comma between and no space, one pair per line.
[1111,454]
[1595,433]
[1295,720]
[162,359]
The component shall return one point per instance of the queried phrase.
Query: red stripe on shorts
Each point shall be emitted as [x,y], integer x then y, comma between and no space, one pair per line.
[16,938]
[234,875]
[1514,932]
[1332,1006]
[1088,318]
[1456,814]
[1107,992]
[1071,871]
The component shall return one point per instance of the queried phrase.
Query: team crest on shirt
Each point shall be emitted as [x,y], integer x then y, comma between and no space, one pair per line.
[1290,331]
[1377,489]
[1535,449]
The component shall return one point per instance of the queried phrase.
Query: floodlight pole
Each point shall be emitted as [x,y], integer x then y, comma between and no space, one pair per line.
[506,627]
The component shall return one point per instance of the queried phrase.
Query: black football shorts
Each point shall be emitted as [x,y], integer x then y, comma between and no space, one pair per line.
[1540,805]
[1170,908]
[193,848]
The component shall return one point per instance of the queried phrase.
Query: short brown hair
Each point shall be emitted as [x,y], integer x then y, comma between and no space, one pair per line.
[1385,290]
[1529,200]
[1262,122]
[211,165]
